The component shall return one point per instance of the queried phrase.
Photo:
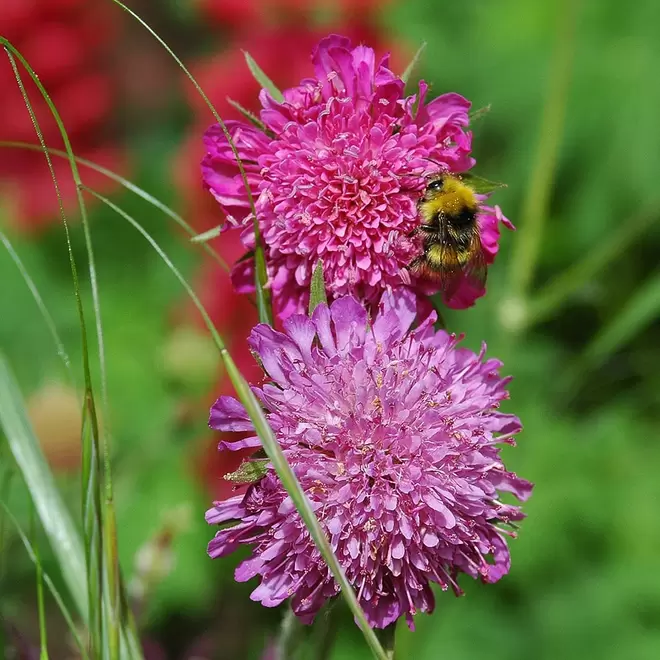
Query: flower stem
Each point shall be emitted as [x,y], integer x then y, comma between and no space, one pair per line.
[535,206]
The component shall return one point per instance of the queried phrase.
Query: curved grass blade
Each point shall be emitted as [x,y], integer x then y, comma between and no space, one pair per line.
[50,323]
[98,603]
[478,114]
[32,554]
[11,53]
[641,309]
[260,76]
[535,206]
[52,512]
[264,303]
[143,194]
[251,117]
[6,476]
[405,76]
[555,294]
[92,513]
[41,610]
[209,235]
[269,442]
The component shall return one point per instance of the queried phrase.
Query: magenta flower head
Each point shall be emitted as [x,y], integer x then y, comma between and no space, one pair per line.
[336,171]
[394,437]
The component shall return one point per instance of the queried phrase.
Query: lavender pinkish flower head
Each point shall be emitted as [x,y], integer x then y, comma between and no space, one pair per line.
[336,175]
[393,434]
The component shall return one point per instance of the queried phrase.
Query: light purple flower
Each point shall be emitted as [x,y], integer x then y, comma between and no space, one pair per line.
[393,435]
[337,176]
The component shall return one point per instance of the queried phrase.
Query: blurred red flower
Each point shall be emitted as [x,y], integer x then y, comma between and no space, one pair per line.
[244,14]
[67,43]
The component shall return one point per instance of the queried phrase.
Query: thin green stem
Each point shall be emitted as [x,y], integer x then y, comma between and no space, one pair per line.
[264,304]
[535,207]
[559,290]
[32,554]
[269,442]
[50,323]
[92,512]
[43,637]
[143,194]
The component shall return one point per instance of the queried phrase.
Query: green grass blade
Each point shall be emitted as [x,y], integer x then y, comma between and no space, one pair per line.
[32,554]
[50,323]
[264,303]
[535,206]
[251,117]
[114,615]
[11,53]
[92,480]
[478,114]
[260,76]
[54,516]
[270,444]
[207,235]
[317,294]
[405,76]
[642,308]
[125,183]
[41,610]
[6,477]
[560,290]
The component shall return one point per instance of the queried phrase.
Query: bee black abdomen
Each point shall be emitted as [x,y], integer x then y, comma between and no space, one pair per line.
[463,218]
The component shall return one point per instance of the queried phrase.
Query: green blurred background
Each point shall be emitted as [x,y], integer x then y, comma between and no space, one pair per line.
[572,306]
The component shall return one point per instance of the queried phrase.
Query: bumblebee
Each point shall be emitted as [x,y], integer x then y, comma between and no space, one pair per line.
[451,241]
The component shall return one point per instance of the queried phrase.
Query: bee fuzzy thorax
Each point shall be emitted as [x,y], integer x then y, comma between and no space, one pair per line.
[450,237]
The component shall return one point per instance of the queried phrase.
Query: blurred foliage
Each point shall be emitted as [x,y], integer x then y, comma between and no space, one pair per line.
[581,583]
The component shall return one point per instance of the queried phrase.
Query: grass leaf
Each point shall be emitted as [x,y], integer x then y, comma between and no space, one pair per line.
[317,294]
[207,235]
[543,168]
[50,323]
[41,609]
[560,290]
[54,516]
[251,117]
[481,185]
[642,309]
[264,303]
[478,114]
[129,185]
[32,554]
[259,75]
[405,76]
[268,440]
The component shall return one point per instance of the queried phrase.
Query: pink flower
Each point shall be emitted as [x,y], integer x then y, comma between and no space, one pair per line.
[338,175]
[393,435]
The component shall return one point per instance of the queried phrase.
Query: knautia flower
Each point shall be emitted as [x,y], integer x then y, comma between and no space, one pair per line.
[393,434]
[336,171]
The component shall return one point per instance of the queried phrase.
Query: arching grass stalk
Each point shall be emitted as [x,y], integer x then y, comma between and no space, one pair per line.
[91,500]
[268,440]
[101,571]
[32,554]
[50,323]
[41,609]
[264,304]
[535,206]
[129,185]
[558,291]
